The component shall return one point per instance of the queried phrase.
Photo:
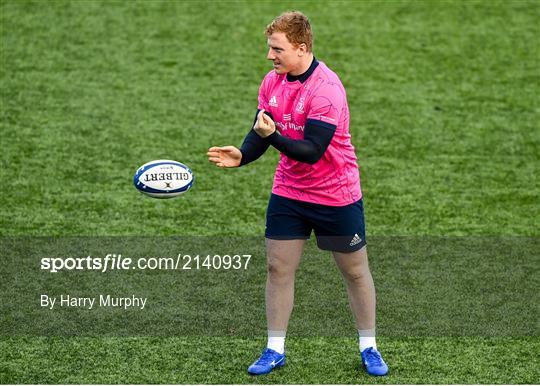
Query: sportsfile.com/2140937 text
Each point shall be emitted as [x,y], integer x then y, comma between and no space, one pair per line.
[113,262]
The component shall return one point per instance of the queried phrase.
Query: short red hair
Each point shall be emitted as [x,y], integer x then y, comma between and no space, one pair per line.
[295,25]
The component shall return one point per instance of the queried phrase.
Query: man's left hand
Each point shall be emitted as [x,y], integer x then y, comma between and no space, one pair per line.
[265,125]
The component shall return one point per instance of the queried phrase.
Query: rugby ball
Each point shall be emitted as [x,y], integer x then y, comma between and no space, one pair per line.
[163,179]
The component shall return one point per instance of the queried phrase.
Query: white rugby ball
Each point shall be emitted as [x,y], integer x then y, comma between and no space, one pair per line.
[163,178]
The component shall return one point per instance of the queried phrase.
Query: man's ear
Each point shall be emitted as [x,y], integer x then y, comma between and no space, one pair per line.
[302,49]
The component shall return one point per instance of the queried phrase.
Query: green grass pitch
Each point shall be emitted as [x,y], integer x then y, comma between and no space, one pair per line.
[445,118]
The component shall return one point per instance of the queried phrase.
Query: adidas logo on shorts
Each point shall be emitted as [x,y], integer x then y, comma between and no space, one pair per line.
[356,239]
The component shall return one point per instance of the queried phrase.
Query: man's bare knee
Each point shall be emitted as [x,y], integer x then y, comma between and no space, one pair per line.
[279,270]
[356,277]
[283,258]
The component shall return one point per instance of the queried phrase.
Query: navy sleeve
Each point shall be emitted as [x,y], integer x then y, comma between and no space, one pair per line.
[253,146]
[317,137]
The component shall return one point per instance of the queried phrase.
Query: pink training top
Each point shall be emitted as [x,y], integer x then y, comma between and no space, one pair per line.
[334,180]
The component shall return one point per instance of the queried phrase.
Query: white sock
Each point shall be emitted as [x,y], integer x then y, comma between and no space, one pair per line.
[276,341]
[367,339]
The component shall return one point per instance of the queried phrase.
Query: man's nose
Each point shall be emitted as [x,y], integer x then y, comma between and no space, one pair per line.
[270,55]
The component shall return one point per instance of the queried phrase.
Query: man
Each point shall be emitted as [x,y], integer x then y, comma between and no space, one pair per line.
[303,113]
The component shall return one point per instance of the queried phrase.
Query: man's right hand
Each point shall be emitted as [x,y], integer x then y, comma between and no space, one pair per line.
[225,156]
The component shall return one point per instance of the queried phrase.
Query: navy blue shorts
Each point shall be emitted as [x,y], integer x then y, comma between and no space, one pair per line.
[337,228]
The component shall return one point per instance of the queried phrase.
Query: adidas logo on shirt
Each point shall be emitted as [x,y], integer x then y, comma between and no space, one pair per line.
[273,101]
[356,239]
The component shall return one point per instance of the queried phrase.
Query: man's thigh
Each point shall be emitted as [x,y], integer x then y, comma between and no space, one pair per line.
[283,256]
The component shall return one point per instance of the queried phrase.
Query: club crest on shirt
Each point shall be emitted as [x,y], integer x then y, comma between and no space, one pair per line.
[300,106]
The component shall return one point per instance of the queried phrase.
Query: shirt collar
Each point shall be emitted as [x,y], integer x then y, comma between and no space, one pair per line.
[303,77]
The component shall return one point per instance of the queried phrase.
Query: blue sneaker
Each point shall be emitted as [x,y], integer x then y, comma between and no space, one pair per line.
[267,362]
[373,362]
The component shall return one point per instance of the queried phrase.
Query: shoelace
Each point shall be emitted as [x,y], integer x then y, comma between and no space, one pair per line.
[373,357]
[266,358]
